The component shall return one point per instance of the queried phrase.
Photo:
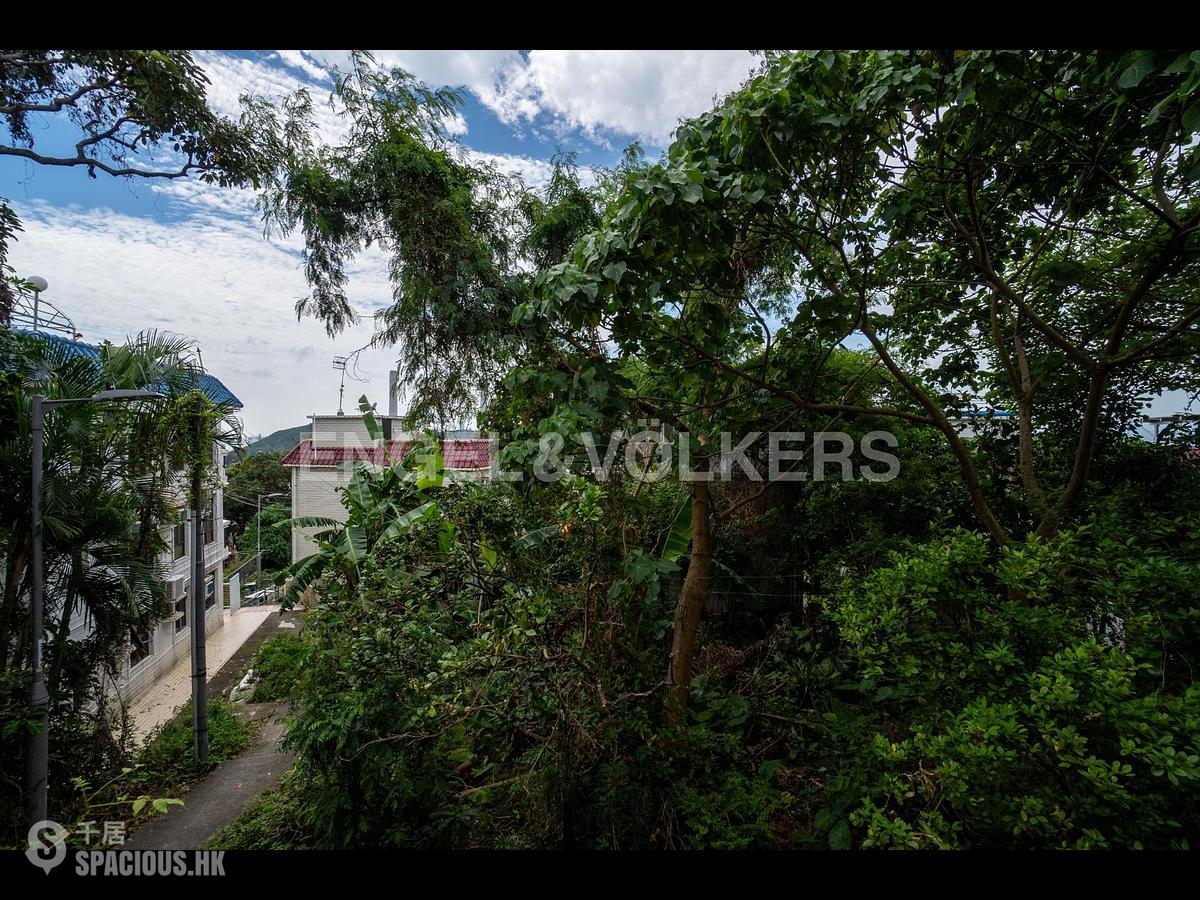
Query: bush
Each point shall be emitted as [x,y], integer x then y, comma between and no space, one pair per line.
[168,759]
[271,822]
[276,543]
[1039,699]
[491,680]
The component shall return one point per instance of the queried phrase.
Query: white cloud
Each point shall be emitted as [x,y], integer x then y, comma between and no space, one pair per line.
[213,279]
[456,125]
[637,93]
[198,263]
[231,76]
[533,172]
[630,93]
[472,69]
[299,60]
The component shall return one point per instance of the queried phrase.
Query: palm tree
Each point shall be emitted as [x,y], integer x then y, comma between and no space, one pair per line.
[111,478]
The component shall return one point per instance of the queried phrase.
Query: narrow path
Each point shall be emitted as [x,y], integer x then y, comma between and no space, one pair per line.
[222,795]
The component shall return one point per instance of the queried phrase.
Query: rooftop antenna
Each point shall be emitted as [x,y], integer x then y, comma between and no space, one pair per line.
[339,364]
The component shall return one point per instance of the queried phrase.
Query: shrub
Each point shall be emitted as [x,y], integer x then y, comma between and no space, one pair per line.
[168,759]
[1037,699]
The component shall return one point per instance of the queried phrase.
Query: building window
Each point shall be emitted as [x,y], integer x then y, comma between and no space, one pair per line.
[179,540]
[181,612]
[210,590]
[210,523]
[139,645]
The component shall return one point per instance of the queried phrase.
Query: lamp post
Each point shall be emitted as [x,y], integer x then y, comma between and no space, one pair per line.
[37,284]
[39,741]
[258,538]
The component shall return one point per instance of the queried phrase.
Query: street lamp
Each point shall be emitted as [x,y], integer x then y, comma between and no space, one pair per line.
[39,744]
[37,284]
[258,537]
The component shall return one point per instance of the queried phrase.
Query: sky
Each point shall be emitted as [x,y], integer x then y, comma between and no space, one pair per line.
[124,255]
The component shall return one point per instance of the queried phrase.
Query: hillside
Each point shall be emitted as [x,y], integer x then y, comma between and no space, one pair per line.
[283,440]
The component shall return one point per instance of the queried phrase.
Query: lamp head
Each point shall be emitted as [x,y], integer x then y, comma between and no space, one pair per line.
[126,395]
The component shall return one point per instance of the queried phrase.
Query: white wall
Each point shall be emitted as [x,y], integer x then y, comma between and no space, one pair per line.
[168,646]
[315,492]
[349,431]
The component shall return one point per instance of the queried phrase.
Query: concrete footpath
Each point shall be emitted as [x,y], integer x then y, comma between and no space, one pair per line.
[174,688]
[225,792]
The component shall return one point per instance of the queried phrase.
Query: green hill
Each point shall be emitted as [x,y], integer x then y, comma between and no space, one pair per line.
[279,441]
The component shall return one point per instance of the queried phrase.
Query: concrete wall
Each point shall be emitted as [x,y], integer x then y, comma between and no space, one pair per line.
[349,431]
[167,647]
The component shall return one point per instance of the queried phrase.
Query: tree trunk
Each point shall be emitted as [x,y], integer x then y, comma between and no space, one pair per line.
[691,597]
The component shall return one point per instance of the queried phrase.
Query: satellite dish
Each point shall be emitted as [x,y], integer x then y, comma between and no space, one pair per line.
[37,282]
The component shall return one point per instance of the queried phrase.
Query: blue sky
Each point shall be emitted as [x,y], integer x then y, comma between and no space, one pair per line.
[122,255]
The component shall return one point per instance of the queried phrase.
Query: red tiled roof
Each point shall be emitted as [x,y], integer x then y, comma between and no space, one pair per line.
[462,453]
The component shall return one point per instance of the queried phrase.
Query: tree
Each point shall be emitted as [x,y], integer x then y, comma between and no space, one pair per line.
[399,181]
[520,703]
[879,196]
[250,477]
[139,113]
[1014,228]
[276,547]
[109,485]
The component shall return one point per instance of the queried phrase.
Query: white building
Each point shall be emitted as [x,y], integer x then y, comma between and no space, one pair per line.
[157,648]
[319,471]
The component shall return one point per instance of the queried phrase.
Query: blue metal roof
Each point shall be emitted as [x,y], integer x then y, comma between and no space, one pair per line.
[210,385]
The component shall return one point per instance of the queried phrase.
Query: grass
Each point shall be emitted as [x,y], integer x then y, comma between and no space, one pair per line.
[278,663]
[167,756]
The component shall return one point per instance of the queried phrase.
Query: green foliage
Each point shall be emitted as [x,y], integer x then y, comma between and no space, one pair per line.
[1041,699]
[1012,229]
[396,180]
[276,544]
[275,820]
[485,664]
[162,769]
[168,757]
[278,664]
[1003,213]
[473,690]
[489,680]
[108,486]
[261,473]
[137,113]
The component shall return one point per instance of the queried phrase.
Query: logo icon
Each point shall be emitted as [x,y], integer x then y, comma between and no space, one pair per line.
[47,844]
